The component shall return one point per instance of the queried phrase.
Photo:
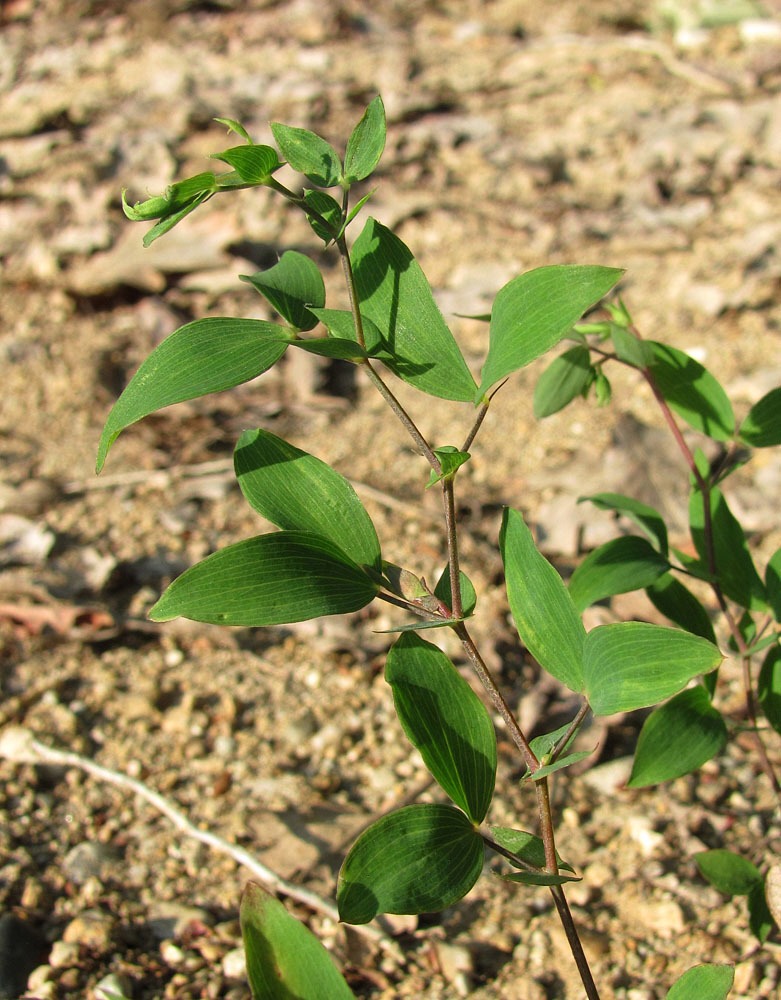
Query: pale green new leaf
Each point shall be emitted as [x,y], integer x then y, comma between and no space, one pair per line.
[275,579]
[418,859]
[395,295]
[542,608]
[618,567]
[205,356]
[691,391]
[629,665]
[445,720]
[284,958]
[526,846]
[703,982]
[254,164]
[365,145]
[309,154]
[296,491]
[534,311]
[677,738]
[292,285]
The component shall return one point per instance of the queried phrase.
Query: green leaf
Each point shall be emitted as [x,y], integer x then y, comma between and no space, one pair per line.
[544,612]
[677,738]
[296,491]
[284,958]
[206,356]
[558,764]
[331,347]
[450,460]
[677,603]
[418,859]
[445,720]
[254,164]
[534,311]
[182,192]
[233,126]
[617,567]
[646,518]
[526,846]
[760,918]
[629,665]
[325,215]
[287,576]
[691,391]
[562,381]
[167,223]
[703,982]
[341,324]
[769,687]
[762,426]
[629,347]
[291,285]
[773,583]
[468,593]
[365,145]
[603,390]
[735,568]
[308,154]
[395,295]
[145,211]
[728,872]
[546,743]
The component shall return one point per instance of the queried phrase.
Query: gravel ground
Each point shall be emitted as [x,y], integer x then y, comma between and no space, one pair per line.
[519,134]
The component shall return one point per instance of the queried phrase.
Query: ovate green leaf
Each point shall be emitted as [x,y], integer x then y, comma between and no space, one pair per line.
[291,285]
[365,145]
[446,721]
[668,595]
[288,576]
[468,594]
[617,567]
[395,295]
[730,873]
[760,918]
[648,519]
[254,164]
[692,391]
[206,356]
[629,665]
[534,311]
[284,958]
[418,859]
[769,687]
[703,982]
[762,426]
[307,153]
[562,381]
[544,613]
[526,846]
[677,738]
[296,491]
[773,583]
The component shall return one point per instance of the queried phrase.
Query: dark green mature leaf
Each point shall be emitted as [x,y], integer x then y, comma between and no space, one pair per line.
[648,519]
[325,215]
[692,391]
[309,154]
[526,846]
[677,602]
[762,426]
[284,958]
[365,145]
[562,381]
[773,583]
[206,356]
[296,491]
[341,324]
[288,576]
[254,164]
[566,760]
[468,593]
[734,566]
[291,285]
[534,311]
[446,721]
[331,347]
[544,613]
[760,918]
[395,295]
[677,738]
[730,873]
[418,859]
[629,347]
[703,982]
[617,567]
[629,665]
[539,878]
[769,687]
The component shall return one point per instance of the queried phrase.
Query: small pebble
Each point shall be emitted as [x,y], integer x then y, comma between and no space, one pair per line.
[91,929]
[234,964]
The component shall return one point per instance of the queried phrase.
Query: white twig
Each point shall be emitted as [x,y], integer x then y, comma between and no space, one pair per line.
[20,746]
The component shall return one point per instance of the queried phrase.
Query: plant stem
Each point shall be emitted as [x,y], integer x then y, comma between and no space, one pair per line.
[448,497]
[568,923]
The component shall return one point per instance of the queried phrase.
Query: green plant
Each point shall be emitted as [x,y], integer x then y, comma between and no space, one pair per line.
[326,557]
